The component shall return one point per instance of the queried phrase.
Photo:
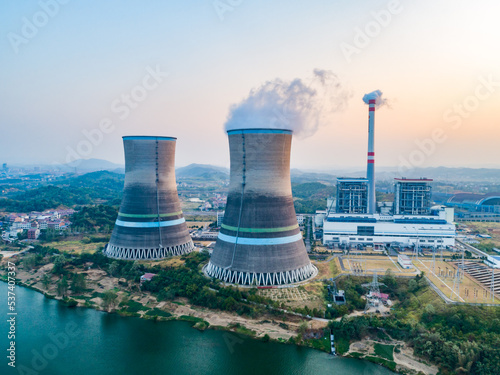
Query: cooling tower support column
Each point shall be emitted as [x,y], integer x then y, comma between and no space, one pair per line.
[150,223]
[370,169]
[260,242]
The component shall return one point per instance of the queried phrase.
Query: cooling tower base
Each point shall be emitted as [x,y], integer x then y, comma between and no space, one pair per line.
[149,254]
[260,279]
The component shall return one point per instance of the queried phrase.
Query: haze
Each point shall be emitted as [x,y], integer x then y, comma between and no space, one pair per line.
[437,63]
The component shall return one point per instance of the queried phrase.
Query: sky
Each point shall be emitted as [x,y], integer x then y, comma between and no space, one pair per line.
[78,75]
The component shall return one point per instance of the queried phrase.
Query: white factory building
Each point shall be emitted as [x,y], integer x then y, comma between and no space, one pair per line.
[413,222]
[355,218]
[381,230]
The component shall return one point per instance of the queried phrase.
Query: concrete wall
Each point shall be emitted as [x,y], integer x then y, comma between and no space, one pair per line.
[150,216]
[260,233]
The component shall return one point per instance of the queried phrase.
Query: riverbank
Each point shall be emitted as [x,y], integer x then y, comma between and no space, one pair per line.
[132,301]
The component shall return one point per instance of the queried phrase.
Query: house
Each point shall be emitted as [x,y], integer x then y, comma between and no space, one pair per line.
[33,233]
[147,277]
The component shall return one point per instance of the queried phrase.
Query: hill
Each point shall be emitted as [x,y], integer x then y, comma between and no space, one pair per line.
[90,188]
[202,172]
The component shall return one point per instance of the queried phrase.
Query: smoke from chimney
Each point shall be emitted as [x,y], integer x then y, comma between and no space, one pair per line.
[377,96]
[295,105]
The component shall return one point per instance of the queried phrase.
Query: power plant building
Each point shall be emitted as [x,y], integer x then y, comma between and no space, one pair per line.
[409,221]
[412,196]
[150,223]
[260,242]
[352,195]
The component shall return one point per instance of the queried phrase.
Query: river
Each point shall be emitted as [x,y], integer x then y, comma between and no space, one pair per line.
[53,339]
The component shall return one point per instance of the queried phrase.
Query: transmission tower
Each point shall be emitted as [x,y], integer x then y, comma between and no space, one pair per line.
[373,296]
[456,283]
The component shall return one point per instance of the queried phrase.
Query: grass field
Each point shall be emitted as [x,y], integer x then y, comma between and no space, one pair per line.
[189,206]
[170,262]
[490,228]
[379,264]
[76,247]
[384,351]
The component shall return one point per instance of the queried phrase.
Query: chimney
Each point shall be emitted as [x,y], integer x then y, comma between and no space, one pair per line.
[370,170]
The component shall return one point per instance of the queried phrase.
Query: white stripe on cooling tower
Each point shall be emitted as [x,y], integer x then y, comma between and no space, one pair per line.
[154,224]
[260,241]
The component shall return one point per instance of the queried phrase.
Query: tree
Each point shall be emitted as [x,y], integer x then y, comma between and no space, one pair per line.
[229,304]
[109,300]
[302,328]
[389,279]
[62,287]
[30,261]
[113,268]
[46,281]
[59,263]
[78,283]
[412,285]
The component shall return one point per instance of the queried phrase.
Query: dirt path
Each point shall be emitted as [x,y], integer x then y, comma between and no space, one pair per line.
[223,319]
[404,359]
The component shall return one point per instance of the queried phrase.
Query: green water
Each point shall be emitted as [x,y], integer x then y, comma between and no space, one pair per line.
[53,339]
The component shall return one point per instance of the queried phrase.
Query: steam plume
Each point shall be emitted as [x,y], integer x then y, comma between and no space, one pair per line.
[377,95]
[296,105]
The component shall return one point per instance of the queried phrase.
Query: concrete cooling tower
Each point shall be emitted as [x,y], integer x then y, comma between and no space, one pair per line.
[150,223]
[260,242]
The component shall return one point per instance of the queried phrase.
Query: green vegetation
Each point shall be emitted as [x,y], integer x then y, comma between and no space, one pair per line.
[99,218]
[384,351]
[109,300]
[341,344]
[486,246]
[241,329]
[158,312]
[458,338]
[88,189]
[389,364]
[311,196]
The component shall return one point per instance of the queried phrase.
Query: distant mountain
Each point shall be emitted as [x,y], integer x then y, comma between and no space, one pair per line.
[91,165]
[202,171]
[446,174]
[298,177]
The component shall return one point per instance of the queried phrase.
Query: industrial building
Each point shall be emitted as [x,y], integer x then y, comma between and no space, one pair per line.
[352,195]
[404,261]
[476,207]
[409,221]
[260,242]
[412,196]
[150,223]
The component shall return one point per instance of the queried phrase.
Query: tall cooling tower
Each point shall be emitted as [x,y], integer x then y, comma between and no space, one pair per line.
[150,222]
[260,242]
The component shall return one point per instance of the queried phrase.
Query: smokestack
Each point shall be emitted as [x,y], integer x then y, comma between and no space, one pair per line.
[150,223]
[260,242]
[370,169]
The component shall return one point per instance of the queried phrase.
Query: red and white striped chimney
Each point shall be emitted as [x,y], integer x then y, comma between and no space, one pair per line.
[370,170]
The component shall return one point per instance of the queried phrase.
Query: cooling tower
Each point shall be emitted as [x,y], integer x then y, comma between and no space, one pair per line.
[260,242]
[150,223]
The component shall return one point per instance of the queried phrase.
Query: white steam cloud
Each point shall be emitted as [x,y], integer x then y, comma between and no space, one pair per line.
[295,105]
[377,95]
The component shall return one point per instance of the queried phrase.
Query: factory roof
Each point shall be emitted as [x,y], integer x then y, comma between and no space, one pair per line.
[422,179]
[354,179]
